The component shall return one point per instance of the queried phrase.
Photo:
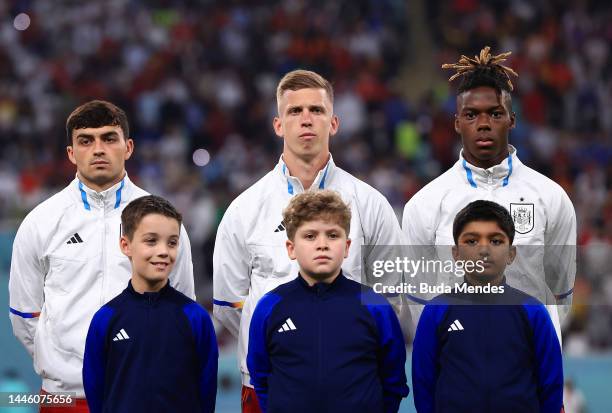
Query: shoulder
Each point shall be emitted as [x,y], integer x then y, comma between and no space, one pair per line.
[517,296]
[136,192]
[437,188]
[118,302]
[255,195]
[50,212]
[438,307]
[52,207]
[283,290]
[103,317]
[549,190]
[367,295]
[357,188]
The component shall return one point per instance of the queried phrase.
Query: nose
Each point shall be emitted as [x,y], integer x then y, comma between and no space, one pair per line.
[162,250]
[98,147]
[483,122]
[483,250]
[306,118]
[322,244]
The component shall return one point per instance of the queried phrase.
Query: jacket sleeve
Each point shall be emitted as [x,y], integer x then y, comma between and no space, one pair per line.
[181,277]
[26,283]
[425,353]
[258,360]
[417,224]
[392,352]
[419,229]
[560,252]
[208,354]
[548,360]
[383,239]
[231,271]
[94,359]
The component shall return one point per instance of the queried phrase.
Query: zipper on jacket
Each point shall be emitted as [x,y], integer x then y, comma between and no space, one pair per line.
[100,201]
[318,302]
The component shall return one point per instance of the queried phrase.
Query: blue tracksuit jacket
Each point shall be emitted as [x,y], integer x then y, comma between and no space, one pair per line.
[487,353]
[151,352]
[334,348]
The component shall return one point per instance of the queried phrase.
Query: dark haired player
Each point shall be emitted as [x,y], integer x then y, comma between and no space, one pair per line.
[488,168]
[66,260]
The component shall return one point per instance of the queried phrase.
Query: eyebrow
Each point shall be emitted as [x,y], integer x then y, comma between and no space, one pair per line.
[104,135]
[478,234]
[488,109]
[311,106]
[157,235]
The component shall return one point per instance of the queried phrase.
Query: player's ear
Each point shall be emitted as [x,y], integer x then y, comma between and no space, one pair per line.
[335,124]
[511,255]
[130,148]
[455,252]
[290,249]
[348,247]
[125,245]
[457,124]
[278,126]
[70,153]
[512,120]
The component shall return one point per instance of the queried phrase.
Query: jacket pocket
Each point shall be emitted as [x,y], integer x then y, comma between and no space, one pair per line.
[270,261]
[60,278]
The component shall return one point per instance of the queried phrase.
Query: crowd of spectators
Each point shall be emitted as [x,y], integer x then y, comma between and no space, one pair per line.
[198,77]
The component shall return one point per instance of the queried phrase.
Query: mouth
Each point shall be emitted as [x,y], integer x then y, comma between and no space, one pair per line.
[484,142]
[99,163]
[308,136]
[322,258]
[160,265]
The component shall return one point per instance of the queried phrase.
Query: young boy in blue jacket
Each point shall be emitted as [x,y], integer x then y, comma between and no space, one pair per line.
[151,348]
[485,346]
[324,343]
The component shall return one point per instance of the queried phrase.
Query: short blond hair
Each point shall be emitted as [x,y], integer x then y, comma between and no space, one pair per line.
[303,79]
[313,205]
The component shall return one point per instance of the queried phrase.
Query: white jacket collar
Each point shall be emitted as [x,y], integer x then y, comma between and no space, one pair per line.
[294,185]
[499,174]
[108,199]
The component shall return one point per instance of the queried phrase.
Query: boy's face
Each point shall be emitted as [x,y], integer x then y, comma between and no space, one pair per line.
[484,241]
[319,247]
[152,250]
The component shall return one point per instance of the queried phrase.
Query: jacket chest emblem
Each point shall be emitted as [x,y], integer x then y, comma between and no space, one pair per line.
[523,217]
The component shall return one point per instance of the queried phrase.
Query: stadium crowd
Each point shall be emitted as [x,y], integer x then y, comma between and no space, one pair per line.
[201,75]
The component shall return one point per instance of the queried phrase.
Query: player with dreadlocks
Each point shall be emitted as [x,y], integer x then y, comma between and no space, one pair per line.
[488,168]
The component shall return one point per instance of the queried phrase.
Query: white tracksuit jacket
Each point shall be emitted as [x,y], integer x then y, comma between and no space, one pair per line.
[250,257]
[543,216]
[66,264]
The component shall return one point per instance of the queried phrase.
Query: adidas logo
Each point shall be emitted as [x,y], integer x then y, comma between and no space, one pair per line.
[455,326]
[287,325]
[280,228]
[121,335]
[75,239]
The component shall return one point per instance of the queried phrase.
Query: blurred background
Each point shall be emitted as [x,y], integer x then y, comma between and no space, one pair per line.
[197,79]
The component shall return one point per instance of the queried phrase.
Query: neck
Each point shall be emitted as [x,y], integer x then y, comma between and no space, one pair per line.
[310,280]
[100,187]
[486,163]
[305,169]
[474,280]
[140,285]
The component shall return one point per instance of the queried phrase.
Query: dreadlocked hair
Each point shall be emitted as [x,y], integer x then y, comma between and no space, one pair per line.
[483,70]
